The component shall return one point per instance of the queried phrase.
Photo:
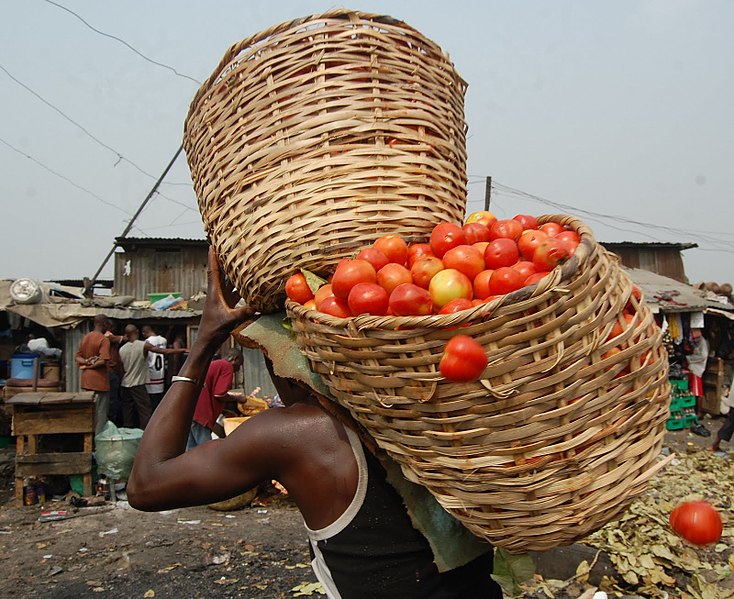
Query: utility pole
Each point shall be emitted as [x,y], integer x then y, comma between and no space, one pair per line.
[89,283]
[487,193]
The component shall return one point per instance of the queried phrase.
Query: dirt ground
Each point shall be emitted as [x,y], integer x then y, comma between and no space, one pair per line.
[117,552]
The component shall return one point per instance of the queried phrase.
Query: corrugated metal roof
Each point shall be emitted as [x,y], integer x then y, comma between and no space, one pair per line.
[649,244]
[128,242]
[668,295]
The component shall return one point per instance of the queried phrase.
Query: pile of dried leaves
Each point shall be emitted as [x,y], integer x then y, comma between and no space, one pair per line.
[649,558]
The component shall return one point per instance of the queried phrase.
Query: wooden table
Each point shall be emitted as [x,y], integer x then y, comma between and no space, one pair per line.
[36,414]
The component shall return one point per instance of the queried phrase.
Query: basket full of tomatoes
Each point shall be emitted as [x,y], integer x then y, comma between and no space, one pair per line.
[510,366]
[321,134]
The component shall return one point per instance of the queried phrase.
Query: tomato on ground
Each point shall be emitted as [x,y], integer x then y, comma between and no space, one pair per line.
[697,522]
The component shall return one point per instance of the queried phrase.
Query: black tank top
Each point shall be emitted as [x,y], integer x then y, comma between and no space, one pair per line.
[372,551]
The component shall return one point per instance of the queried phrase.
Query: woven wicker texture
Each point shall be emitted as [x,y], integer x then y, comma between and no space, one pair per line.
[318,136]
[560,434]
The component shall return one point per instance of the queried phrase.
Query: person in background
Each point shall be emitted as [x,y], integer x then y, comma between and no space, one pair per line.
[213,397]
[115,373]
[136,404]
[363,542]
[92,357]
[156,365]
[136,407]
[696,362]
[727,429]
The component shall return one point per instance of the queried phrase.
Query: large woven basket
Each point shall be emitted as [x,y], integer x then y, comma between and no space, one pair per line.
[317,136]
[556,439]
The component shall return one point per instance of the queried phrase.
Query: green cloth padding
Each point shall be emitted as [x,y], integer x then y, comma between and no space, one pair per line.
[452,544]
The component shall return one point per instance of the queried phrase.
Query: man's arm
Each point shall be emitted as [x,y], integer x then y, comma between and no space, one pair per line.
[165,350]
[164,475]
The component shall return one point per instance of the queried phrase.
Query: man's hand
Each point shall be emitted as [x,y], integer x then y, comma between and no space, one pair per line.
[220,316]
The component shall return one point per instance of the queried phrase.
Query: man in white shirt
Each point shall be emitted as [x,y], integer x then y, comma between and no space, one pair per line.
[156,365]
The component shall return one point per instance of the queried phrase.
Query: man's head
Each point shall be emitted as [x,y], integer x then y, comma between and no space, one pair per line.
[131,332]
[147,331]
[234,357]
[100,323]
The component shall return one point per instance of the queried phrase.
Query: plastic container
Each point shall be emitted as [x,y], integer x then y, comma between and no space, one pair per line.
[154,297]
[682,402]
[680,384]
[21,366]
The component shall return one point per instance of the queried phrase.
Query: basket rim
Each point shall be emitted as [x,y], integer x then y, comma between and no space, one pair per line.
[337,13]
[558,275]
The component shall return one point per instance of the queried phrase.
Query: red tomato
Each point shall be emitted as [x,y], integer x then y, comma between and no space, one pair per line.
[570,236]
[449,284]
[394,247]
[350,272]
[456,305]
[552,229]
[508,228]
[550,253]
[368,298]
[463,360]
[505,280]
[475,232]
[481,284]
[535,278]
[466,259]
[501,252]
[391,275]
[310,305]
[525,268]
[335,307]
[446,236]
[374,256]
[416,251]
[410,300]
[484,217]
[425,269]
[297,289]
[619,328]
[527,221]
[323,292]
[697,522]
[530,240]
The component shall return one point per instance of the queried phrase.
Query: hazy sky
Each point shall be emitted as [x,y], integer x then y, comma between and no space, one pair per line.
[621,109]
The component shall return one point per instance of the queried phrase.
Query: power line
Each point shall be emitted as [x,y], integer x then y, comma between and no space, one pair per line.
[64,177]
[80,127]
[706,235]
[124,43]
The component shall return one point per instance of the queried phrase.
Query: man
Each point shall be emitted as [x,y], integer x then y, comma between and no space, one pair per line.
[213,397]
[114,373]
[363,542]
[92,357]
[156,365]
[136,407]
